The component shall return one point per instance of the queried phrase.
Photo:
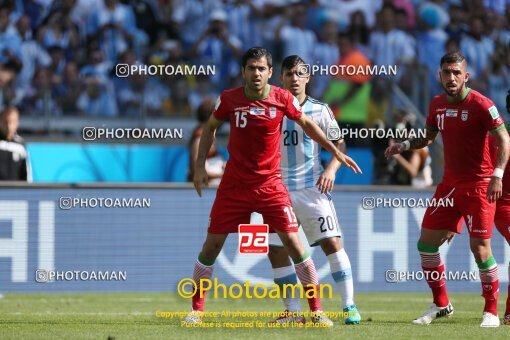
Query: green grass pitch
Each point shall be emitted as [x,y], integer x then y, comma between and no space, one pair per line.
[133,316]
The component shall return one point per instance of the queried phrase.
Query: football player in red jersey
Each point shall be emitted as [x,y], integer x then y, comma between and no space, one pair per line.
[252,179]
[463,116]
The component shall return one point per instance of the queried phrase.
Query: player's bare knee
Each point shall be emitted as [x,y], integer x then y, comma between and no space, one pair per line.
[481,248]
[278,257]
[211,250]
[434,237]
[331,245]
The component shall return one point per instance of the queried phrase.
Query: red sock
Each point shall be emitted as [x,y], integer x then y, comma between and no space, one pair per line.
[201,271]
[307,274]
[490,291]
[433,269]
[314,302]
[490,285]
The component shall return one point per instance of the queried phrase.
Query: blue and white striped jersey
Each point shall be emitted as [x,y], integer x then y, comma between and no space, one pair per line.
[300,165]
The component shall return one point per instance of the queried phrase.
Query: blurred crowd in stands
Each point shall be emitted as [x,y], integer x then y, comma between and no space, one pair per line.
[58,57]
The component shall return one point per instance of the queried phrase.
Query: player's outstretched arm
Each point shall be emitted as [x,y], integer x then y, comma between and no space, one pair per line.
[412,144]
[206,140]
[315,133]
[495,189]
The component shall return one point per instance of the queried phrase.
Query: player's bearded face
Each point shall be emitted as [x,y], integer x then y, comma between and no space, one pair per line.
[256,73]
[453,78]
[295,79]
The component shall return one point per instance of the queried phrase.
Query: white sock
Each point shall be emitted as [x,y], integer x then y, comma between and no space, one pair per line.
[341,271]
[287,275]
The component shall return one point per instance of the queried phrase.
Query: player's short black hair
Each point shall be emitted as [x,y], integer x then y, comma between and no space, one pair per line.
[257,53]
[291,61]
[452,57]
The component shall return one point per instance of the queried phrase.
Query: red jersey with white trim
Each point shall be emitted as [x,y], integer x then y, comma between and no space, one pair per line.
[464,126]
[255,133]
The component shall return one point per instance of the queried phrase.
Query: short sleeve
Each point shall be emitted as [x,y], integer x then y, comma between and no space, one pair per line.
[328,124]
[292,107]
[220,109]
[431,123]
[490,116]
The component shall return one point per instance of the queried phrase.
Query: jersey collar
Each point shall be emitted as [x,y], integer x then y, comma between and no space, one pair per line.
[264,96]
[304,101]
[451,100]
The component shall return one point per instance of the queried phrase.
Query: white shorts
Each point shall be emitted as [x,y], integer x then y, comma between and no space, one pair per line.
[316,214]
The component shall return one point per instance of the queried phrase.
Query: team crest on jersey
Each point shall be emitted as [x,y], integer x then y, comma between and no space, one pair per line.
[257,111]
[451,113]
[464,115]
[272,112]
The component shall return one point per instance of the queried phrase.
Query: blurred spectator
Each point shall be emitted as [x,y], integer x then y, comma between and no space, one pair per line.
[58,62]
[59,32]
[98,98]
[40,99]
[141,96]
[478,49]
[457,26]
[214,164]
[348,95]
[203,88]
[10,41]
[36,11]
[14,160]
[411,167]
[178,104]
[145,15]
[32,53]
[388,45]
[97,64]
[379,103]
[405,14]
[326,53]
[113,26]
[192,17]
[359,31]
[216,46]
[295,38]
[69,90]
[499,77]
[431,40]
[452,45]
[368,7]
[243,21]
[8,73]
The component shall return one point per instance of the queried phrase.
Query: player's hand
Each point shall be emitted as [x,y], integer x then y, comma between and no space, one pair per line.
[348,162]
[495,189]
[394,149]
[326,181]
[199,179]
